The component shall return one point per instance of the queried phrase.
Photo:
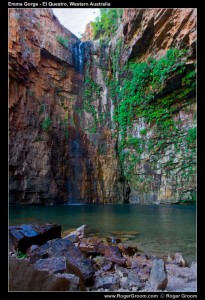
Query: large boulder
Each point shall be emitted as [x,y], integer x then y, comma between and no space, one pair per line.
[158,275]
[23,236]
[76,263]
[52,264]
[24,277]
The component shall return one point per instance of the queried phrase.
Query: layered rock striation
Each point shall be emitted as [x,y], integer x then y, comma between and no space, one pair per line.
[70,141]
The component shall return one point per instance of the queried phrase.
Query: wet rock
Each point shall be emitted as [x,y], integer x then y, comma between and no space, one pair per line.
[52,264]
[95,246]
[180,260]
[72,237]
[110,282]
[22,237]
[113,240]
[89,245]
[158,275]
[112,253]
[125,233]
[76,262]
[79,233]
[24,277]
[127,250]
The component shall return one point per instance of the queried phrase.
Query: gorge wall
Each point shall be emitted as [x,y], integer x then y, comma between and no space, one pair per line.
[101,121]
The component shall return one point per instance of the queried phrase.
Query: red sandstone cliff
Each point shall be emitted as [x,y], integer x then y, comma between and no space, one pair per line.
[41,92]
[54,152]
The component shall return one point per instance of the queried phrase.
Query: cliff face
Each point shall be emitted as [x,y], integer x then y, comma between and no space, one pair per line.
[151,32]
[166,164]
[68,138]
[51,157]
[140,86]
[41,93]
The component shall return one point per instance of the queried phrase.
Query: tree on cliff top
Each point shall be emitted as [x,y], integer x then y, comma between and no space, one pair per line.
[107,23]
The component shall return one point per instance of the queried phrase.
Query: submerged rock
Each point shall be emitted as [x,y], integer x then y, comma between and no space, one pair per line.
[113,240]
[127,250]
[23,236]
[158,275]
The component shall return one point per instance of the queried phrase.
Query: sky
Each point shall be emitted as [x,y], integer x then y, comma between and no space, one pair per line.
[75,19]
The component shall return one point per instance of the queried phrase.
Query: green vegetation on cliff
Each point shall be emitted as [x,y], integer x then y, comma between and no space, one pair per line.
[148,98]
[151,93]
[62,41]
[107,23]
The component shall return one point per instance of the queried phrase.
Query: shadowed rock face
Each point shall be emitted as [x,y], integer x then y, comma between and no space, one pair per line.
[63,146]
[22,237]
[76,263]
[24,277]
[151,32]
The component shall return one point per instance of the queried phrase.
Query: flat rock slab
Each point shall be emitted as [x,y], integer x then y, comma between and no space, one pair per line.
[22,237]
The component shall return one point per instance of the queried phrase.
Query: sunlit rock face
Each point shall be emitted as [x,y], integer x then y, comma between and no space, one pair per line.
[64,136]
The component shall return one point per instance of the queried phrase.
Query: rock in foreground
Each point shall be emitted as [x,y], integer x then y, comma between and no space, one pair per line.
[93,265]
[76,262]
[158,275]
[23,277]
[22,237]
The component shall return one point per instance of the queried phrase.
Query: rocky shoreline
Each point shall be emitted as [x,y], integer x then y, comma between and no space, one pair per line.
[41,260]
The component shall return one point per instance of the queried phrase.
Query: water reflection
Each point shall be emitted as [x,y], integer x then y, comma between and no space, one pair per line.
[162,229]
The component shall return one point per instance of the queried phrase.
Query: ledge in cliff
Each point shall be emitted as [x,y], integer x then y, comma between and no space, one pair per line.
[151,32]
[68,112]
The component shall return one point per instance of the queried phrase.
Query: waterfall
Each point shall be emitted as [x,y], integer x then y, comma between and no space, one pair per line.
[74,181]
[78,57]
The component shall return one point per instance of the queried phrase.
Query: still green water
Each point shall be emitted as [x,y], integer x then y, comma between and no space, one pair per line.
[162,229]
